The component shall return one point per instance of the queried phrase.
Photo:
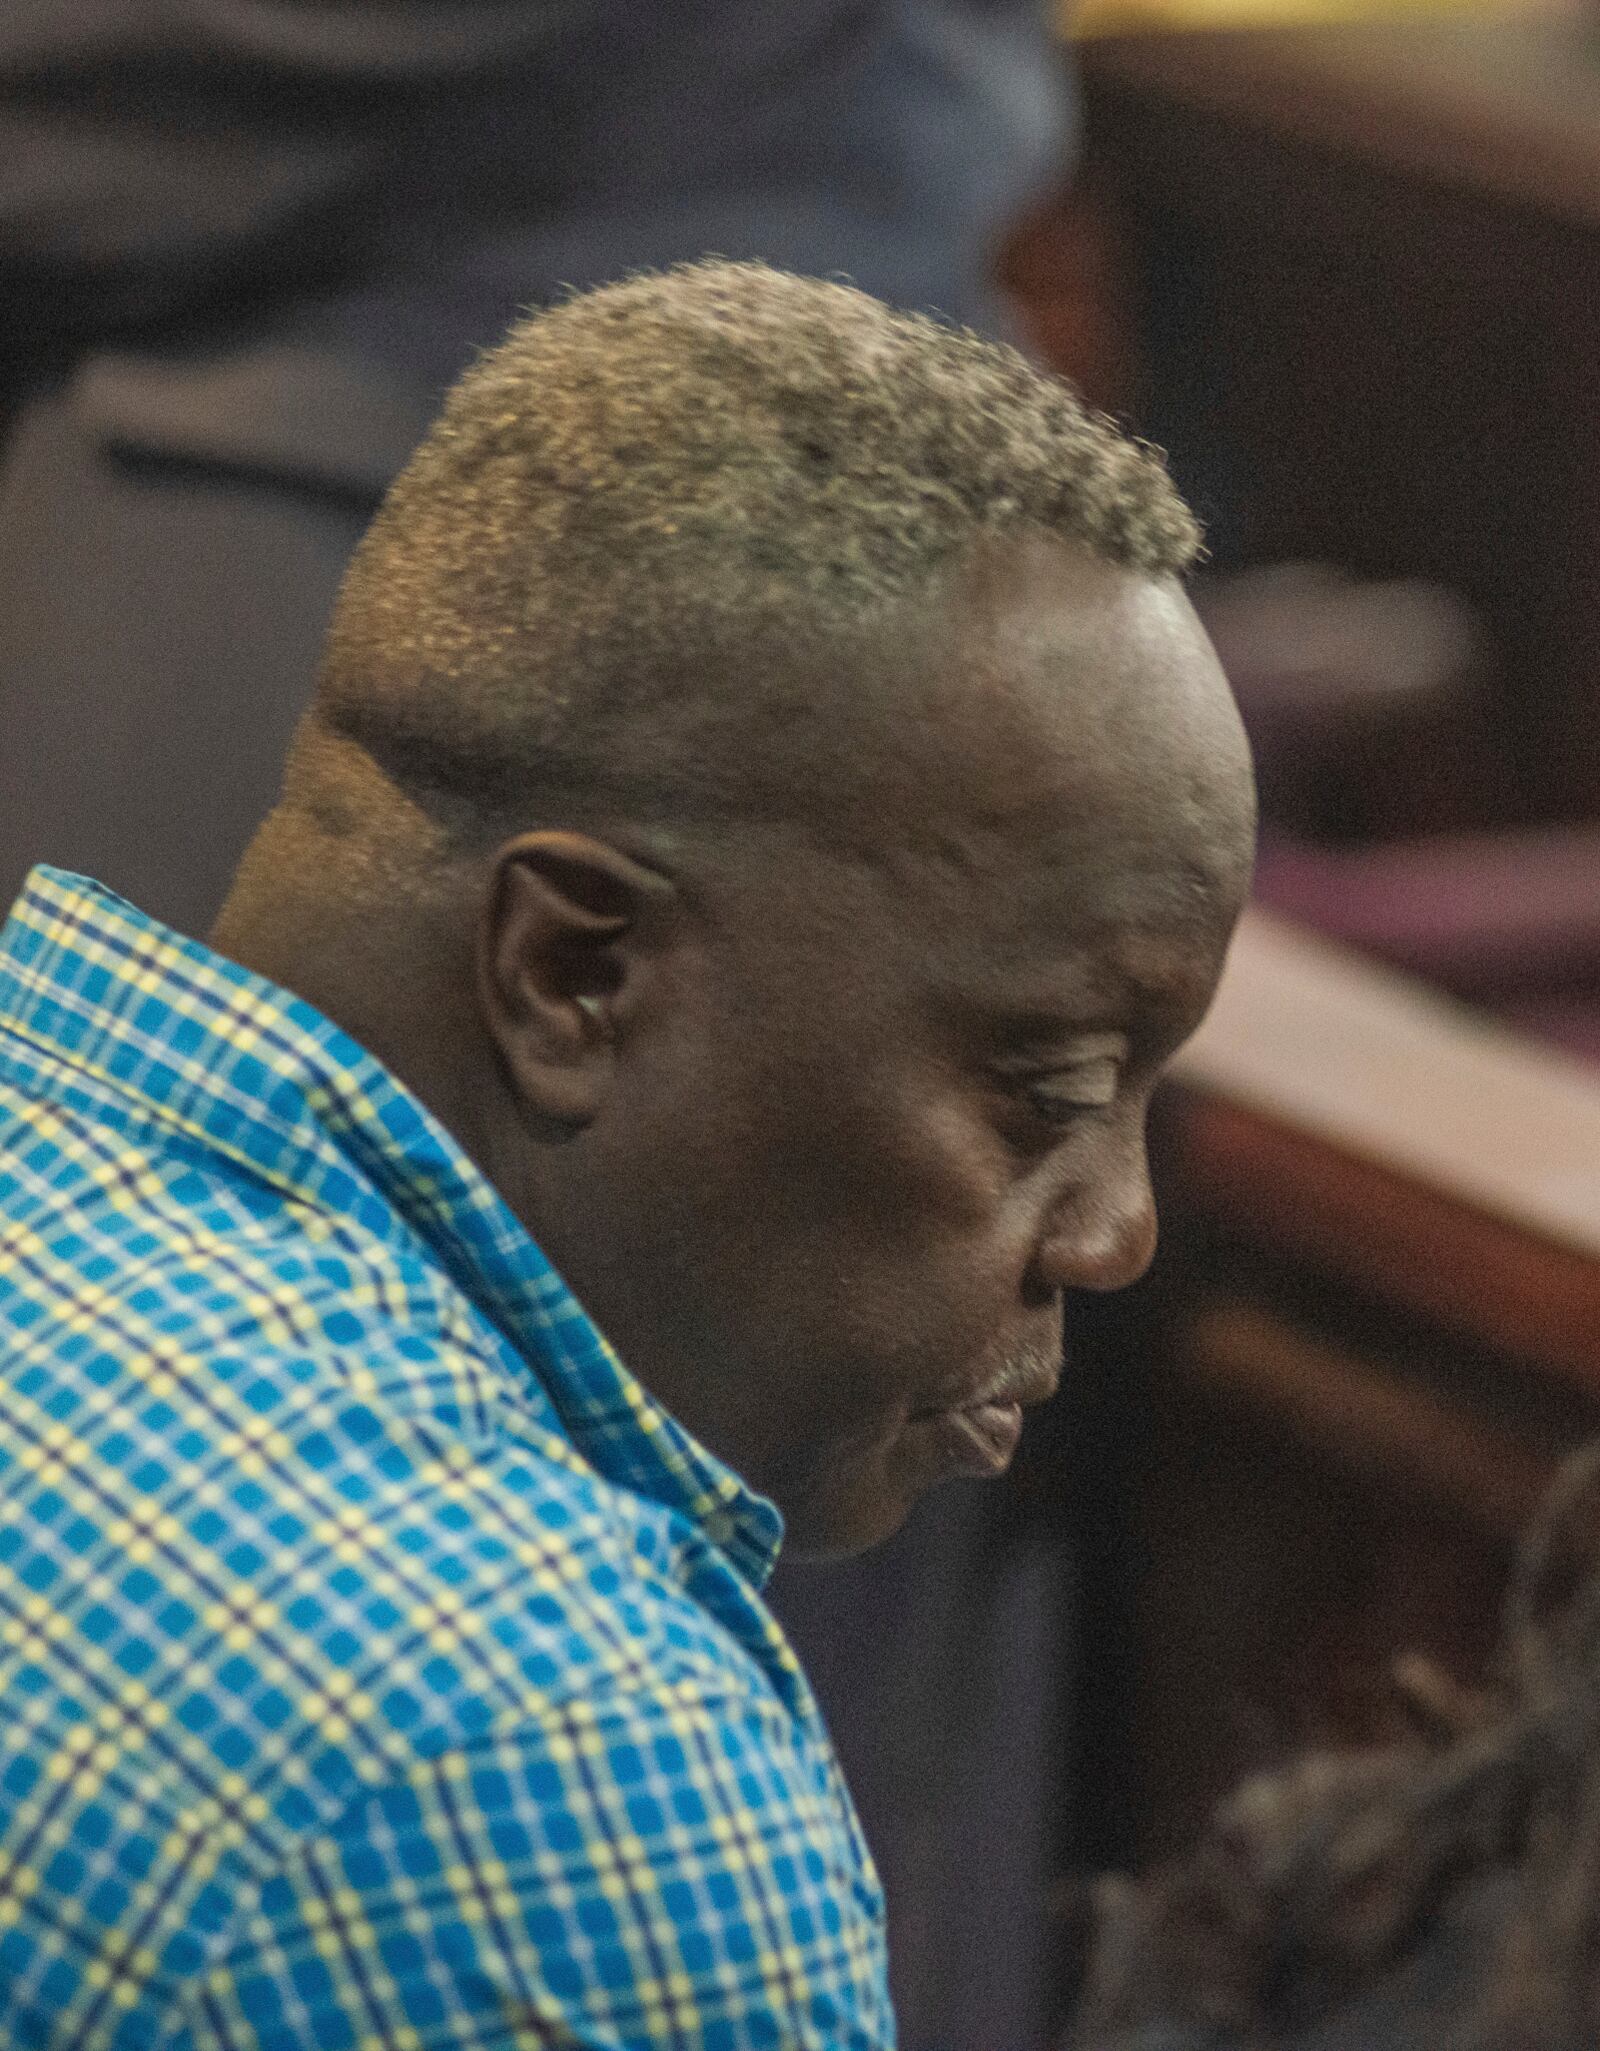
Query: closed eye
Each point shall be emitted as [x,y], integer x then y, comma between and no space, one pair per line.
[1061,1094]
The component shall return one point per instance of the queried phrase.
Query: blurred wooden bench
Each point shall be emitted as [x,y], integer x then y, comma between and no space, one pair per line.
[1338,1112]
[1350,277]
[1373,1333]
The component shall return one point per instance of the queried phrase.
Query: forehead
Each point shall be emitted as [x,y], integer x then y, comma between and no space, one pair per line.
[1092,939]
[1075,797]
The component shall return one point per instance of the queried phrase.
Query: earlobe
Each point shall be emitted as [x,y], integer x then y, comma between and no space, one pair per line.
[559,946]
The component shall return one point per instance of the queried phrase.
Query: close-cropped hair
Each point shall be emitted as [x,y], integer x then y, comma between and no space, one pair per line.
[1439,1895]
[649,519]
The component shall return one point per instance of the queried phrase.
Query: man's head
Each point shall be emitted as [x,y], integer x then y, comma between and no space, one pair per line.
[769,795]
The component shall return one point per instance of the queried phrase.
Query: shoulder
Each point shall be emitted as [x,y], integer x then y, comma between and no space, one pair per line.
[628,1866]
[571,1761]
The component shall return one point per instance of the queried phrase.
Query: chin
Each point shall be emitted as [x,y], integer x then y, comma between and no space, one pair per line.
[857,1494]
[845,1515]
[820,1547]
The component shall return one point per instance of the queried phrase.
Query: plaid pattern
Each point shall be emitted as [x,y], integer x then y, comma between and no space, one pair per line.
[379,1666]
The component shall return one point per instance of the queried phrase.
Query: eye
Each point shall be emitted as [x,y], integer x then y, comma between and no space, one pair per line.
[1064,1093]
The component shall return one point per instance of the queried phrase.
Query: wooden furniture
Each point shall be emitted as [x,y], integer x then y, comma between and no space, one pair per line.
[1350,278]
[1373,1335]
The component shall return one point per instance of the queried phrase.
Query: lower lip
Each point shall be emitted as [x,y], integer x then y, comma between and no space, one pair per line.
[979,1441]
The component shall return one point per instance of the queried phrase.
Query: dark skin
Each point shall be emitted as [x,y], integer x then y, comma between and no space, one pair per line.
[821,1115]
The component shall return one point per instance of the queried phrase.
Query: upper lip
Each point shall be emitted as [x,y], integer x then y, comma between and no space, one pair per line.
[1021,1389]
[1022,1392]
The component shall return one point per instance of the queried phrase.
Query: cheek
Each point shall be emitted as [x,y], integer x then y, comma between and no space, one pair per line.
[869,1211]
[915,1154]
[899,1175]
[906,1234]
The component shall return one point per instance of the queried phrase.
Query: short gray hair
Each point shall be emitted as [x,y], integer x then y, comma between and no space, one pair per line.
[643,488]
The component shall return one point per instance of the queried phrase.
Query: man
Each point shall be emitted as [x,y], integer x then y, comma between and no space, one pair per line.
[245,247]
[767,815]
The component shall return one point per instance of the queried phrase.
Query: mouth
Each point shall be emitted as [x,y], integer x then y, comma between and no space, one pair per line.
[979,1434]
[980,1439]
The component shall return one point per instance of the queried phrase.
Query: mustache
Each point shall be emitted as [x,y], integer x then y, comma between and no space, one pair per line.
[1029,1373]
[1025,1370]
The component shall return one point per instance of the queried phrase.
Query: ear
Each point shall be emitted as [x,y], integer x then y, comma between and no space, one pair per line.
[563,958]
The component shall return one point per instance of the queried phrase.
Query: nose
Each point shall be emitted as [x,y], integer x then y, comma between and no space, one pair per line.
[1103,1236]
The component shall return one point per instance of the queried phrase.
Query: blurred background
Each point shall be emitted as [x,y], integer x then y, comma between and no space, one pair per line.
[1343,263]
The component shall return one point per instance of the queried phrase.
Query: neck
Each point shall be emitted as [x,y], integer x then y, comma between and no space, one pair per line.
[390,966]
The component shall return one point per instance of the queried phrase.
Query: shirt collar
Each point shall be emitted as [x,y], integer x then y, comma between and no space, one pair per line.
[265,1079]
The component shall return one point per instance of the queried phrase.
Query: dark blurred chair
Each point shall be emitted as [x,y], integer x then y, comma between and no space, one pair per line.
[1357,695]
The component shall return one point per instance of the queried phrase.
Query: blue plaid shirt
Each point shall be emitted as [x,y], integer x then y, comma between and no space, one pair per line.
[380,1668]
